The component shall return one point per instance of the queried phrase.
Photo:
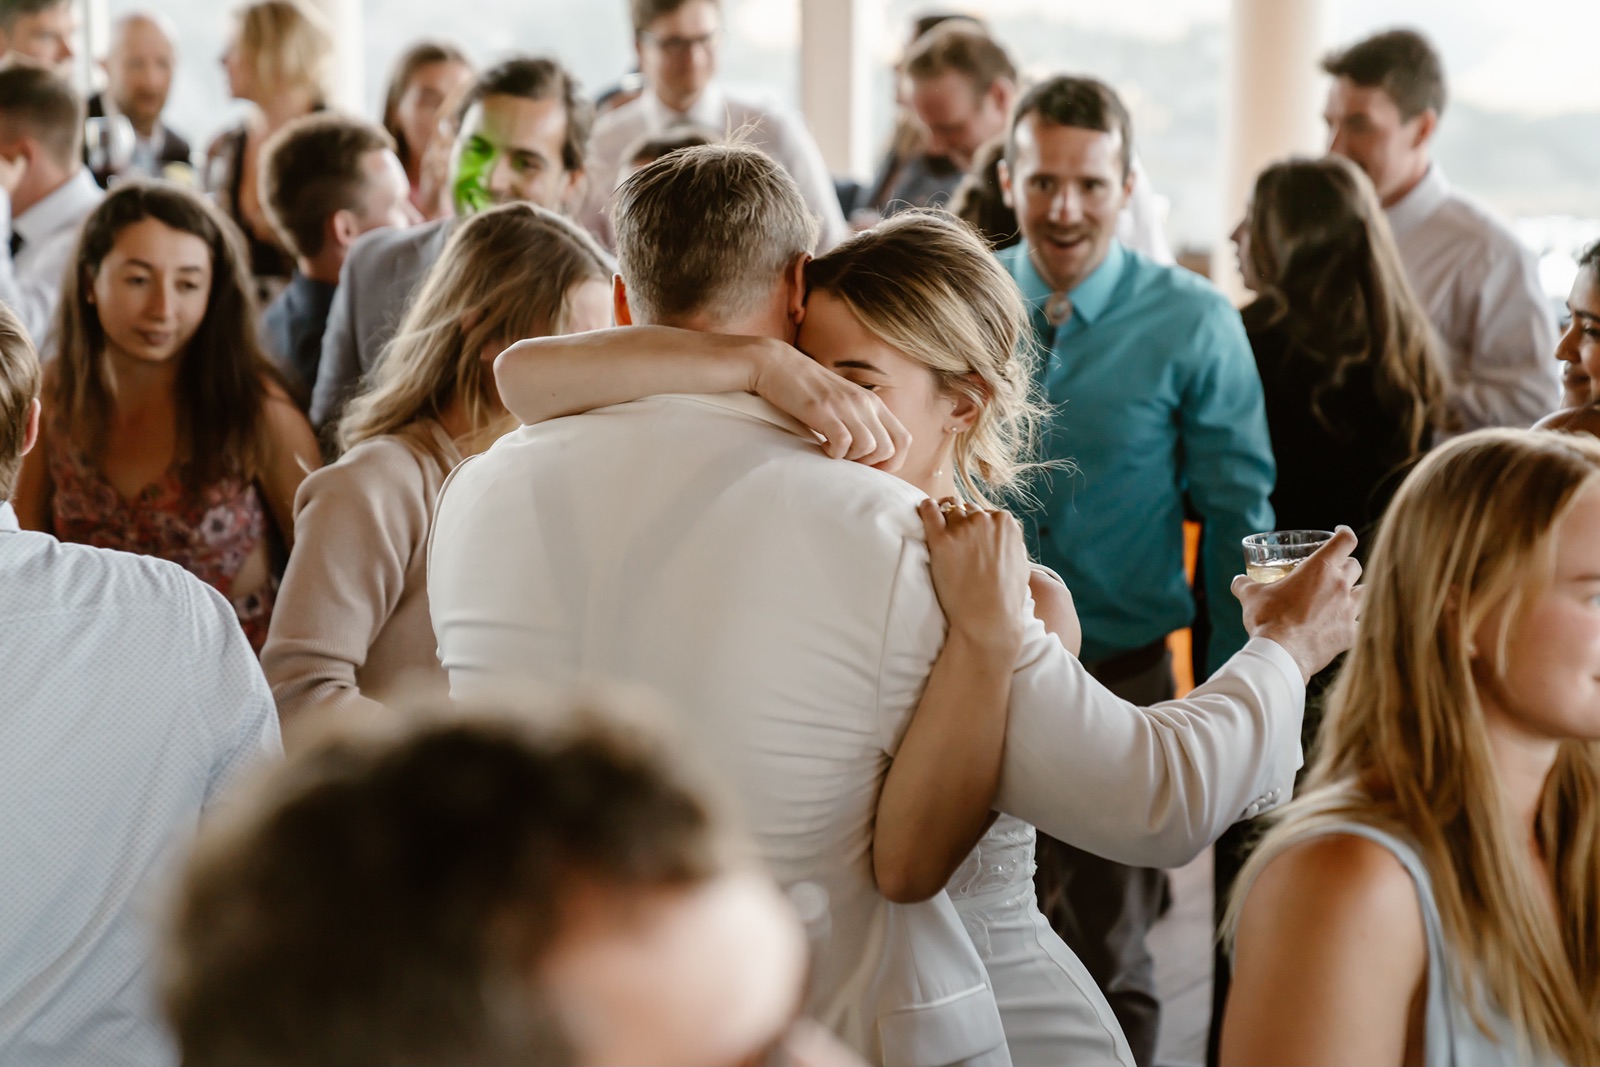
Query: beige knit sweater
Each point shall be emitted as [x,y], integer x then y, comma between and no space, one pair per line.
[351,627]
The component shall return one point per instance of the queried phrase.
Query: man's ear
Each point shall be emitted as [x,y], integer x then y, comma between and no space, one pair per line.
[30,431]
[1003,172]
[795,279]
[1129,181]
[341,228]
[576,190]
[619,301]
[1004,93]
[1427,122]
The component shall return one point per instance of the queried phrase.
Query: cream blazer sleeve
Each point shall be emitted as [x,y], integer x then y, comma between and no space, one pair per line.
[1150,787]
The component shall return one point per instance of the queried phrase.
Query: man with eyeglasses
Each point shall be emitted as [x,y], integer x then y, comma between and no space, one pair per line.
[677,43]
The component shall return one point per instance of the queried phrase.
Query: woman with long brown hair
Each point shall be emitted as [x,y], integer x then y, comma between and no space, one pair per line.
[426,77]
[1352,373]
[1431,896]
[167,432]
[353,618]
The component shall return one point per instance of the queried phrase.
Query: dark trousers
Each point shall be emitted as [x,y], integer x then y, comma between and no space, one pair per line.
[1103,910]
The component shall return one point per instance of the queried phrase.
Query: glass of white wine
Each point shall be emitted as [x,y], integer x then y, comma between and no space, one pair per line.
[1269,557]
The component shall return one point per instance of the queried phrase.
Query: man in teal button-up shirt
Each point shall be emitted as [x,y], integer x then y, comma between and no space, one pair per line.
[1154,394]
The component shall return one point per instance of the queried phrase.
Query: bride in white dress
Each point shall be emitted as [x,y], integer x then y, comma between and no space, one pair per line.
[917,312]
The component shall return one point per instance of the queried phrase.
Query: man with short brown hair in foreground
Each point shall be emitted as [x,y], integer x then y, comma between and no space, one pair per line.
[474,891]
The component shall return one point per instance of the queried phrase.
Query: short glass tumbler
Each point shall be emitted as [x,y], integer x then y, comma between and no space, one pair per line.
[1269,557]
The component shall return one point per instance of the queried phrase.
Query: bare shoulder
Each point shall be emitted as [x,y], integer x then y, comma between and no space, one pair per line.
[1330,956]
[281,411]
[290,432]
[1342,885]
[1049,591]
[1052,605]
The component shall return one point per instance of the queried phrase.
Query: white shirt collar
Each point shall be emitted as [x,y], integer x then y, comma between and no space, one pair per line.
[710,111]
[67,206]
[8,518]
[1417,206]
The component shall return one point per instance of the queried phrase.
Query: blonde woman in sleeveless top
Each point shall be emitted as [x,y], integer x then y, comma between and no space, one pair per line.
[1432,896]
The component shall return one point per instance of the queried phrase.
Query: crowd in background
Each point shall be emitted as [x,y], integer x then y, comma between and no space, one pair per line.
[881,489]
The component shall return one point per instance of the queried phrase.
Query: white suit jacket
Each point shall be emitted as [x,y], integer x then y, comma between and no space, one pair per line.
[704,547]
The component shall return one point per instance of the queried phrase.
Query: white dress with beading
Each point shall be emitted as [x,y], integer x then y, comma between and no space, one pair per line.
[1047,999]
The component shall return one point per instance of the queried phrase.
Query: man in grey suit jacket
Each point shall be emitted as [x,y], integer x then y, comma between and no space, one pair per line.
[520,135]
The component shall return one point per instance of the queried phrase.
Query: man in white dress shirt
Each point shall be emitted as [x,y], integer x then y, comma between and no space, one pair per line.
[130,701]
[677,43]
[45,192]
[1480,285]
[704,547]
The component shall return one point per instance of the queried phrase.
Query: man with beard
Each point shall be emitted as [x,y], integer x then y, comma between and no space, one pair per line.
[1155,396]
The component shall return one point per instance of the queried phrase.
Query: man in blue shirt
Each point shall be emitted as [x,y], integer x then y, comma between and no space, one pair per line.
[1155,396]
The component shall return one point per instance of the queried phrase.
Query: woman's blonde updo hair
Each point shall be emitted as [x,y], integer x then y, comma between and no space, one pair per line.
[925,285]
[289,46]
[505,274]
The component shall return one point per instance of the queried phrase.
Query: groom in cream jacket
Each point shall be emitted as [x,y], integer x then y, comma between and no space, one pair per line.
[781,601]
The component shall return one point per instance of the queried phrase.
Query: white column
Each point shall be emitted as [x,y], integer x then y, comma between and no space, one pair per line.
[835,81]
[1275,97]
[349,62]
[91,40]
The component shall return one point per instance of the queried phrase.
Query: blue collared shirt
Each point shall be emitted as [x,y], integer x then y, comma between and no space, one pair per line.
[129,702]
[1153,392]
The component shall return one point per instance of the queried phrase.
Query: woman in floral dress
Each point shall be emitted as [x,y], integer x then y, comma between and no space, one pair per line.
[166,432]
